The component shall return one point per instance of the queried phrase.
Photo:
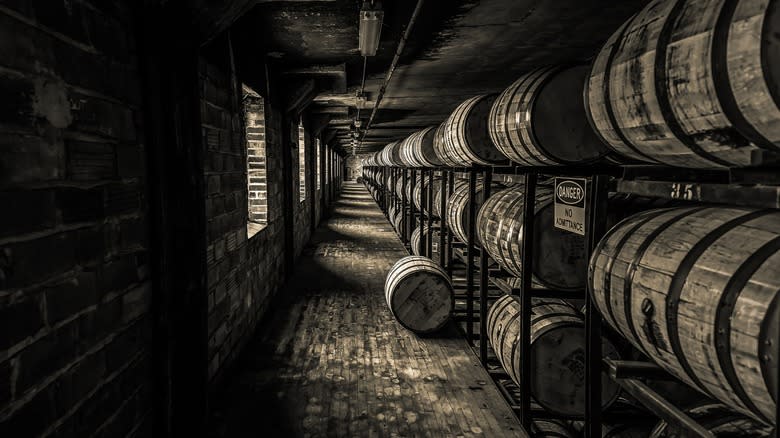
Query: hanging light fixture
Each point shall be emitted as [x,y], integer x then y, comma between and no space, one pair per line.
[371,16]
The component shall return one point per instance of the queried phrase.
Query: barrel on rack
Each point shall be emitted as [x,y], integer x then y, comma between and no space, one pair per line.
[557,355]
[559,259]
[696,289]
[439,193]
[690,83]
[417,149]
[399,187]
[419,294]
[718,419]
[420,193]
[540,119]
[463,139]
[396,217]
[458,209]
[416,241]
[391,155]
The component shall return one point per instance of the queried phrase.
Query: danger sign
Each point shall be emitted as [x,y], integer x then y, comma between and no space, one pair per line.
[570,194]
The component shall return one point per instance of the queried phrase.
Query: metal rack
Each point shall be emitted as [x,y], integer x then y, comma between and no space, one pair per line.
[758,188]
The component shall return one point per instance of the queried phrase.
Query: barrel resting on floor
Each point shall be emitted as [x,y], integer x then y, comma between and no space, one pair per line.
[332,361]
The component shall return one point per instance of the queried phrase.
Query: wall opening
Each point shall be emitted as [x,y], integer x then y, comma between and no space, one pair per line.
[257,176]
[319,164]
[302,160]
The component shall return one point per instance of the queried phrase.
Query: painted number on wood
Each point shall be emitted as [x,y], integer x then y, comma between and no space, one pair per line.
[570,194]
[683,191]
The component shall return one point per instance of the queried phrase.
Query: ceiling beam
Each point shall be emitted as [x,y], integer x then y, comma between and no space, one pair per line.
[301,96]
[335,110]
[211,17]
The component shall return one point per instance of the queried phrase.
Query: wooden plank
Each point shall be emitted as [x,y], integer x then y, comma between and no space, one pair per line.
[350,362]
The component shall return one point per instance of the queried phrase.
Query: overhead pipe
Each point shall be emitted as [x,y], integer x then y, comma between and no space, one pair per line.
[393,65]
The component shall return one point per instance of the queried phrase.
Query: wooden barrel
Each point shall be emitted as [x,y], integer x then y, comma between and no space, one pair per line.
[419,294]
[416,238]
[420,193]
[685,83]
[696,289]
[399,187]
[549,428]
[458,209]
[540,119]
[718,419]
[557,352]
[439,193]
[417,149]
[559,257]
[391,154]
[463,139]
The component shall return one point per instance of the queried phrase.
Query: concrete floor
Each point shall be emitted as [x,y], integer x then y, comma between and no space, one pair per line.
[330,360]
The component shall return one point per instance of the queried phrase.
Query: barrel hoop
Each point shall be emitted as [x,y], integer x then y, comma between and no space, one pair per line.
[546,78]
[541,332]
[678,282]
[723,316]
[745,131]
[518,200]
[662,92]
[607,95]
[534,152]
[766,350]
[509,369]
[771,15]
[611,260]
[640,252]
[463,111]
[517,86]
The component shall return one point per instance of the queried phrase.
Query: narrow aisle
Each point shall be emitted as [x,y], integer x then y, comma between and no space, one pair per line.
[330,360]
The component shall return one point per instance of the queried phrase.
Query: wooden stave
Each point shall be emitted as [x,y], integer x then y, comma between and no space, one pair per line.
[401,271]
[747,70]
[723,140]
[458,138]
[503,327]
[499,228]
[597,97]
[739,385]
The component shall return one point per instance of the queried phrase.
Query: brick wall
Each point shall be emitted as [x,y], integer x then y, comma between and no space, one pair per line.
[243,273]
[302,206]
[254,120]
[74,274]
[352,167]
